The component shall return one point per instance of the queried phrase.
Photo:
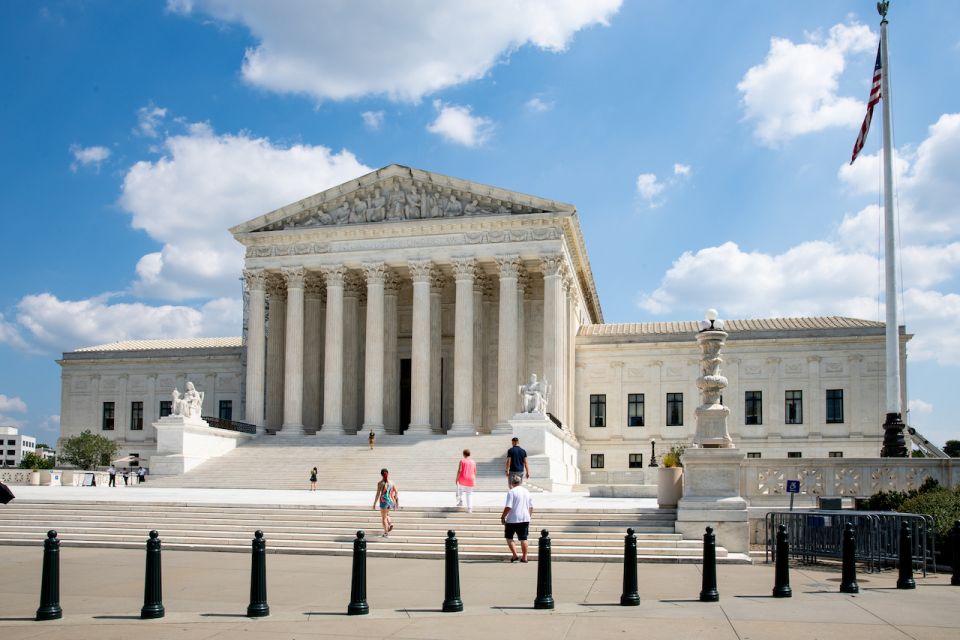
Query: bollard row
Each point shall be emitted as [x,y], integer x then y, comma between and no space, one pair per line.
[50,609]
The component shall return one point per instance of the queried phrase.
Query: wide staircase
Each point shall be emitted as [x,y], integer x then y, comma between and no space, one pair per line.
[417,463]
[578,535]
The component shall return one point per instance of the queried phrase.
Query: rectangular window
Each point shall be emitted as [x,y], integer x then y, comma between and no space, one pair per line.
[753,454]
[226,409]
[166,408]
[674,409]
[596,461]
[107,416]
[834,406]
[793,407]
[635,410]
[794,454]
[753,407]
[11,442]
[598,410]
[635,461]
[136,416]
[835,454]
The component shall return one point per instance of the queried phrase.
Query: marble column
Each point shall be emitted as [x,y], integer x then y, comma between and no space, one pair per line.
[352,288]
[312,348]
[478,359]
[256,280]
[121,416]
[293,353]
[391,359]
[373,366]
[421,273]
[436,342]
[523,288]
[554,329]
[276,347]
[333,351]
[507,402]
[464,273]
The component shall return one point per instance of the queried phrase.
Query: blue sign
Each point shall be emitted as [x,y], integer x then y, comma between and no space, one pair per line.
[793,486]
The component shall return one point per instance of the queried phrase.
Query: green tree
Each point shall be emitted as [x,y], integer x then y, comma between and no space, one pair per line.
[87,450]
[952,448]
[31,460]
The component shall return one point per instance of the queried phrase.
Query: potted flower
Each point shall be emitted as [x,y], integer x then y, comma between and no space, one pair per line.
[670,479]
[35,476]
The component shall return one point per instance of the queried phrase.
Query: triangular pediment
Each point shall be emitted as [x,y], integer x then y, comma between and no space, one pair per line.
[397,193]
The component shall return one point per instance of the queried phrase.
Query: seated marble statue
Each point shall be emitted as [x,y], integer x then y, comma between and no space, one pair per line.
[533,396]
[190,404]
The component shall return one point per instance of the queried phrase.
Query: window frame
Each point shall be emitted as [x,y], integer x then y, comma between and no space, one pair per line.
[636,409]
[631,460]
[595,458]
[794,454]
[598,410]
[676,399]
[795,401]
[166,408]
[136,415]
[755,403]
[756,455]
[834,403]
[108,415]
[835,454]
[228,405]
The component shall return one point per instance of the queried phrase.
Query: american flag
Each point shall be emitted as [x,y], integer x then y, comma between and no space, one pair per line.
[871,103]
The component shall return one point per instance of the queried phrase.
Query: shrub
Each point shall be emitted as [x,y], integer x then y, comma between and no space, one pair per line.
[87,450]
[942,504]
[32,460]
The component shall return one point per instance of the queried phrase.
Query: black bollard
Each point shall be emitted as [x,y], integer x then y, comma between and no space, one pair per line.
[905,579]
[544,573]
[258,606]
[708,592]
[50,580]
[630,596]
[781,578]
[152,587]
[358,584]
[848,579]
[955,535]
[451,592]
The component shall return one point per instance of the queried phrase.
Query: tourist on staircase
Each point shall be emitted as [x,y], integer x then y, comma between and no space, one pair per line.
[387,500]
[466,480]
[516,462]
[516,517]
[313,479]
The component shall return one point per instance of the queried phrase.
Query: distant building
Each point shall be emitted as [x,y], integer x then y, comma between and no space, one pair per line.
[14,446]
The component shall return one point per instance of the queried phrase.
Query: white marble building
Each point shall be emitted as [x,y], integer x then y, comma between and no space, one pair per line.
[13,446]
[410,302]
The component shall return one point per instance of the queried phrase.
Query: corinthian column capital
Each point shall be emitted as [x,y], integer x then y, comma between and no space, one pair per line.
[375,272]
[334,274]
[255,279]
[509,266]
[420,270]
[464,269]
[294,276]
[552,265]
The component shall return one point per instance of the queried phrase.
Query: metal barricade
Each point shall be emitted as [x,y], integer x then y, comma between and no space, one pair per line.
[819,534]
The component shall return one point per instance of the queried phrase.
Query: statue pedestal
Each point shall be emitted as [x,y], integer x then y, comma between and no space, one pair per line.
[185,443]
[711,497]
[551,453]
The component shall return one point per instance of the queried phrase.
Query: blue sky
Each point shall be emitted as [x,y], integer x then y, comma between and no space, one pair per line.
[704,145]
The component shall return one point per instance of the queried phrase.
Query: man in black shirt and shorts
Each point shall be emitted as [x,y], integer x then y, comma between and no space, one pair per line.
[517,462]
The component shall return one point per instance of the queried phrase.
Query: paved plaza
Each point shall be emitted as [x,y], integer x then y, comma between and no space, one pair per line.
[205,595]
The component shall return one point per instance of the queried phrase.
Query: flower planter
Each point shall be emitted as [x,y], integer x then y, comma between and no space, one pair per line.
[669,487]
[35,478]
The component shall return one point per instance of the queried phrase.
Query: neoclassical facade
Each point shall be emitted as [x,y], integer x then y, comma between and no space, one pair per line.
[406,302]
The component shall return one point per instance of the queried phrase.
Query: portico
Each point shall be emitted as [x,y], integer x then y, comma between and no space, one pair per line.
[432,317]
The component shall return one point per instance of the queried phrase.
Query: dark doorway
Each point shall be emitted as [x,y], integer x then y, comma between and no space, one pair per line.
[404,394]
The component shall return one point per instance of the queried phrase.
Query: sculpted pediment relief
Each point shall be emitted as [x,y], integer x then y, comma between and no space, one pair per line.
[398,194]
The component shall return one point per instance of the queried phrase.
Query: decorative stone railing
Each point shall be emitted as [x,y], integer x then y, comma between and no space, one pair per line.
[842,477]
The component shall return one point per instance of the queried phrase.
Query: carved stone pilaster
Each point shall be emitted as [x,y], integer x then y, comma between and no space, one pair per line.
[276,287]
[391,282]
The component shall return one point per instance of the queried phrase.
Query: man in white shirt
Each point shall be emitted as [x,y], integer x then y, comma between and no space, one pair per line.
[516,517]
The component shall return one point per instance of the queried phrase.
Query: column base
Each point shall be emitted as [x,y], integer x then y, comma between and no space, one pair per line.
[378,429]
[419,430]
[291,430]
[330,428]
[466,429]
[501,428]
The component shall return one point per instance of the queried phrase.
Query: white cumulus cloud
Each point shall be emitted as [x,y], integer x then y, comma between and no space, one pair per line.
[794,90]
[373,120]
[342,49]
[457,124]
[88,156]
[12,404]
[652,189]
[649,187]
[149,119]
[538,105]
[206,183]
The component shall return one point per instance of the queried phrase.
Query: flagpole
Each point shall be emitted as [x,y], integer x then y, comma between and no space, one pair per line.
[894,445]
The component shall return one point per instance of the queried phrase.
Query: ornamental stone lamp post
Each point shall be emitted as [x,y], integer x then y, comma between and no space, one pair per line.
[711,468]
[711,414]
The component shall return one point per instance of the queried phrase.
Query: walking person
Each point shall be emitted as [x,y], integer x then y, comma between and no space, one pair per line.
[313,479]
[466,480]
[387,500]
[112,471]
[516,462]
[516,517]
[372,439]
[141,475]
[126,476]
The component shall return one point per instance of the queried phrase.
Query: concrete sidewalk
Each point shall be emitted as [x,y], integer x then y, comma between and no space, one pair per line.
[206,594]
[481,499]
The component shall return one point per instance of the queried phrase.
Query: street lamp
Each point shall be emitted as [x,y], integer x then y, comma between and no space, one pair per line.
[653,453]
